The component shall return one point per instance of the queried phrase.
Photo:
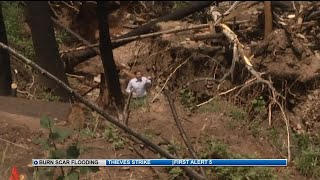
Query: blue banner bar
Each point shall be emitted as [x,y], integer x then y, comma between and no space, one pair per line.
[158,162]
[139,162]
[196,162]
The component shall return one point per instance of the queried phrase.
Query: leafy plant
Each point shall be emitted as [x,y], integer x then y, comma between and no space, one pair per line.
[176,173]
[302,141]
[308,163]
[237,113]
[50,144]
[48,96]
[179,4]
[61,36]
[149,134]
[307,159]
[137,103]
[187,99]
[213,106]
[112,135]
[87,132]
[217,150]
[258,104]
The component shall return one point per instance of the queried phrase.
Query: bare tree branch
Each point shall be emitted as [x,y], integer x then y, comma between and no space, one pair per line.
[181,129]
[232,37]
[184,62]
[201,26]
[126,111]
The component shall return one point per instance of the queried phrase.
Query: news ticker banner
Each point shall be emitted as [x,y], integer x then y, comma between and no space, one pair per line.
[158,162]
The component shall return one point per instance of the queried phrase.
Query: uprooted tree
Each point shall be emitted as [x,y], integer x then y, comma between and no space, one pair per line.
[84,55]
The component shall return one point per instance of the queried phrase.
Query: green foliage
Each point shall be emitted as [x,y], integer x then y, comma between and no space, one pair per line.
[308,163]
[274,133]
[137,103]
[90,131]
[275,136]
[112,135]
[255,127]
[13,13]
[213,106]
[84,170]
[46,122]
[149,134]
[87,132]
[48,96]
[216,150]
[72,176]
[307,156]
[43,143]
[179,4]
[237,113]
[187,99]
[173,146]
[57,154]
[258,104]
[61,36]
[232,173]
[216,105]
[73,152]
[302,141]
[45,171]
[59,135]
[176,173]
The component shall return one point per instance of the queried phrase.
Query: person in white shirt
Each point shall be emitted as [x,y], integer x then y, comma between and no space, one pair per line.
[138,86]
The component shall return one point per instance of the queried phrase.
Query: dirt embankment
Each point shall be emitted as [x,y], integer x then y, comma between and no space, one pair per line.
[179,63]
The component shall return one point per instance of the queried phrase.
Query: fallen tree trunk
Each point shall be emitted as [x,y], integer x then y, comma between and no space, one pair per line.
[107,116]
[139,37]
[178,14]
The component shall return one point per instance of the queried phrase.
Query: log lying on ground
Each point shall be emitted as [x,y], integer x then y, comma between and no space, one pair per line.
[199,37]
[178,14]
[107,116]
[201,26]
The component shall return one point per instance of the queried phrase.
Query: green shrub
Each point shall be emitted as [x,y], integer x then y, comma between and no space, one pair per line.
[13,13]
[217,150]
[50,144]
